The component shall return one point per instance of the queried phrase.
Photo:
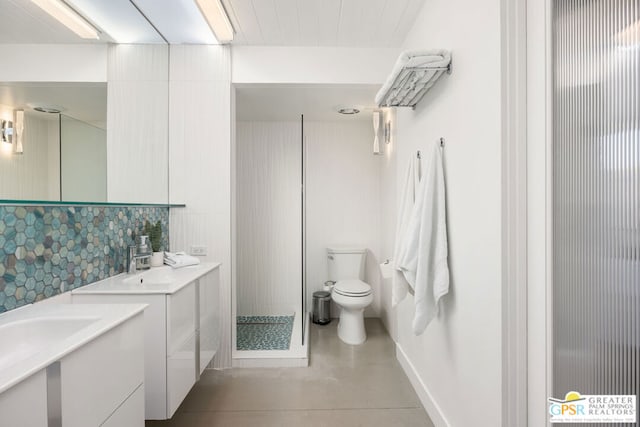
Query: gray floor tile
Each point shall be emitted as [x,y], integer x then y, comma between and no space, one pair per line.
[343,386]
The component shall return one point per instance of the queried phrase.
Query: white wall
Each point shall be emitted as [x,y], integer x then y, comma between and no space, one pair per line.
[343,200]
[309,65]
[269,220]
[53,159]
[54,63]
[389,177]
[200,166]
[456,363]
[84,161]
[26,176]
[137,123]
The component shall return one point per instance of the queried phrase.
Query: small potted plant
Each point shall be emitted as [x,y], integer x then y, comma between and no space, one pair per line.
[155,236]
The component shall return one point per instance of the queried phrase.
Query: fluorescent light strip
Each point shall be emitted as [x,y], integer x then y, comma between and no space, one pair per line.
[217,19]
[68,17]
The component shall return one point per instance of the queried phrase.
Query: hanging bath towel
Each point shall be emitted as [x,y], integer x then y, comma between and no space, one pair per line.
[399,285]
[423,251]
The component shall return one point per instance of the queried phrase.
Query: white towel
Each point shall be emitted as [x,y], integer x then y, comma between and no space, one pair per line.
[180,259]
[399,284]
[398,89]
[423,254]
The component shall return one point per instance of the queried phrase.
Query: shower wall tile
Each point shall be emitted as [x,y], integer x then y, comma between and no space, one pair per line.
[47,250]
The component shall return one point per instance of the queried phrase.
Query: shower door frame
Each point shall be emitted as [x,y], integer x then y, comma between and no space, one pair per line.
[539,190]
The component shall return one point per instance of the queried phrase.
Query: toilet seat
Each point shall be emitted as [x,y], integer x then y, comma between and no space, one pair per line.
[352,288]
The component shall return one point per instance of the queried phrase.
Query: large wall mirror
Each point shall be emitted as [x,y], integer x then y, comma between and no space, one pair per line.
[57,149]
[85,141]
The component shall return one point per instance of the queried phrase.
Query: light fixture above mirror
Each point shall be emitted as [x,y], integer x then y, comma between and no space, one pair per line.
[217,18]
[68,17]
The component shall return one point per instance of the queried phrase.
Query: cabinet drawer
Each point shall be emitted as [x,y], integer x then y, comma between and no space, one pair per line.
[130,413]
[181,373]
[99,376]
[25,404]
[209,296]
[181,318]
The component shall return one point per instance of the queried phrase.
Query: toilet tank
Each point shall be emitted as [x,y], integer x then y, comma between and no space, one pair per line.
[346,263]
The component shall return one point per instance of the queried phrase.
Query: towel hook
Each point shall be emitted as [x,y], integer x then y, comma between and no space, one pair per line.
[441,142]
[418,154]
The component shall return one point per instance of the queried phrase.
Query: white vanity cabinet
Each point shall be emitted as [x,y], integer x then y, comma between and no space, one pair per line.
[181,345]
[25,404]
[88,376]
[210,319]
[182,327]
[97,380]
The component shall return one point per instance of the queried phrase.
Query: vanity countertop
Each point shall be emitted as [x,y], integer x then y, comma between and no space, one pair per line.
[157,280]
[34,336]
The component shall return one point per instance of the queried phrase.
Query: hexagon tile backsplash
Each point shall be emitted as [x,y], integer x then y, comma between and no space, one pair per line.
[47,250]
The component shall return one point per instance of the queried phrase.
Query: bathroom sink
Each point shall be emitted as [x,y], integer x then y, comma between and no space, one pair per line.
[155,276]
[29,336]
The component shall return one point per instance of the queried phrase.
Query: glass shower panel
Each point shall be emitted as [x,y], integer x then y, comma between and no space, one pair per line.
[269,235]
[596,200]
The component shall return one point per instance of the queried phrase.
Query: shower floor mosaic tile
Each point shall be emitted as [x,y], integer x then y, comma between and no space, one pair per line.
[263,332]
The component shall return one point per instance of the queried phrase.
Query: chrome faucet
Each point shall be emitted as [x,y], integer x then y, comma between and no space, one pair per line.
[139,257]
[131,260]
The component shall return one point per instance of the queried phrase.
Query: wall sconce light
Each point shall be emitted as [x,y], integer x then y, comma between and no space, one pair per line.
[387,132]
[6,131]
[376,131]
[19,131]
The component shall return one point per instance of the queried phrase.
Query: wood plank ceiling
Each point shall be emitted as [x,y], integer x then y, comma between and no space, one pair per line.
[354,23]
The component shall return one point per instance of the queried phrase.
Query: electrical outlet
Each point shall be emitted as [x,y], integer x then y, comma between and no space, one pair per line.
[198,250]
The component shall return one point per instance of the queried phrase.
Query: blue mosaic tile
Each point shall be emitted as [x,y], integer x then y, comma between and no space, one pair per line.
[263,332]
[43,248]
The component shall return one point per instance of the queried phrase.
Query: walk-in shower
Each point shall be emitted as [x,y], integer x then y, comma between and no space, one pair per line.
[270,317]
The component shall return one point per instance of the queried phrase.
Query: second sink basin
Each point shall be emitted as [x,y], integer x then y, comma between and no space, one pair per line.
[29,336]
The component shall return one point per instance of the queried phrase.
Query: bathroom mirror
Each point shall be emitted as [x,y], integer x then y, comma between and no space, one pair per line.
[84,141]
[63,126]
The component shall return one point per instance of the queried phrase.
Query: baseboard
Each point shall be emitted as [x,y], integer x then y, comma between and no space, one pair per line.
[430,405]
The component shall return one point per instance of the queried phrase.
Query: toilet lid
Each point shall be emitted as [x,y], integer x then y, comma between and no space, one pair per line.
[352,288]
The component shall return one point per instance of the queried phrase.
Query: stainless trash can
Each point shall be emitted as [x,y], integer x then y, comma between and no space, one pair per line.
[321,307]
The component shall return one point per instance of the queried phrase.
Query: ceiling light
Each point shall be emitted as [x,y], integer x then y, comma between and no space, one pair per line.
[68,17]
[47,109]
[217,19]
[348,110]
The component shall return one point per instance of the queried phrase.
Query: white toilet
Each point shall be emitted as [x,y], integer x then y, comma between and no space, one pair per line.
[346,269]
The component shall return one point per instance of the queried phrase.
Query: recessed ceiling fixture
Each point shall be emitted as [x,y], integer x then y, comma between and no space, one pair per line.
[61,11]
[43,108]
[217,18]
[348,110]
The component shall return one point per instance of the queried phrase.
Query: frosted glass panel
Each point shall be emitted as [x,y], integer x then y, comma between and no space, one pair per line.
[596,185]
